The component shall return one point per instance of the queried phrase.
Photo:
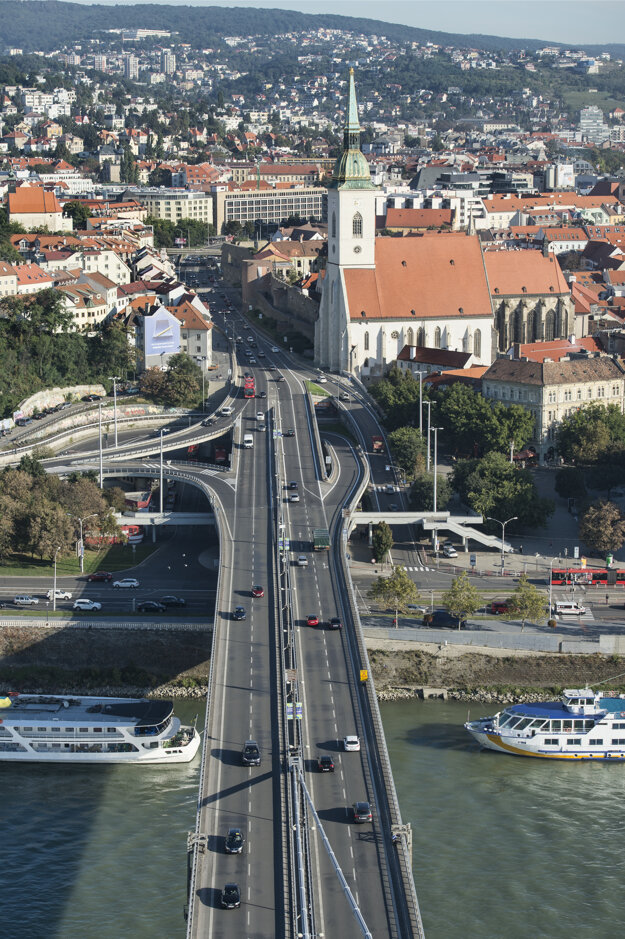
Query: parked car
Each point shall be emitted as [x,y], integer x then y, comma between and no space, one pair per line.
[23,599]
[173,601]
[498,606]
[362,812]
[230,897]
[83,603]
[325,764]
[234,841]
[60,594]
[449,551]
[151,606]
[441,619]
[100,576]
[126,582]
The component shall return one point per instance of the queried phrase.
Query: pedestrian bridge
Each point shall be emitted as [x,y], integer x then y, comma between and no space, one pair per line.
[461,525]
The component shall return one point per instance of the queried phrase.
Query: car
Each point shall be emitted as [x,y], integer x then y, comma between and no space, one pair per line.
[234,841]
[312,620]
[60,594]
[351,743]
[335,623]
[322,379]
[302,560]
[91,398]
[261,394]
[449,551]
[24,599]
[23,421]
[208,421]
[362,812]
[280,378]
[272,368]
[39,415]
[441,619]
[173,601]
[230,897]
[252,360]
[260,416]
[250,339]
[151,606]
[325,764]
[99,576]
[288,433]
[250,754]
[82,603]
[274,349]
[498,606]
[239,613]
[294,497]
[227,410]
[126,582]
[261,354]
[258,591]
[343,396]
[292,485]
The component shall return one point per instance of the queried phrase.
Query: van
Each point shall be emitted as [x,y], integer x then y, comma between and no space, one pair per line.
[227,410]
[248,441]
[568,608]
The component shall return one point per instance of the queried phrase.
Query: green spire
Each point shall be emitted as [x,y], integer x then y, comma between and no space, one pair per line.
[351,170]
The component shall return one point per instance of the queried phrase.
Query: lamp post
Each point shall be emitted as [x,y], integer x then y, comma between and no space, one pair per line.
[100,436]
[428,404]
[514,518]
[421,374]
[551,563]
[82,547]
[203,359]
[161,474]
[436,430]
[115,379]
[54,583]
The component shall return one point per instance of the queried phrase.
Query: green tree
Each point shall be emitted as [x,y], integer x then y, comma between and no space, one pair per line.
[78,212]
[588,435]
[602,527]
[398,396]
[570,483]
[382,541]
[407,448]
[183,381]
[422,493]
[462,599]
[152,383]
[397,591]
[494,486]
[527,602]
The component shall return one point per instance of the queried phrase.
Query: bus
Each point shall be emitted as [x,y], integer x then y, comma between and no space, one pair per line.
[249,389]
[601,576]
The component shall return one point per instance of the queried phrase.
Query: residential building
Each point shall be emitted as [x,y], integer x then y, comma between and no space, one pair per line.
[33,207]
[267,205]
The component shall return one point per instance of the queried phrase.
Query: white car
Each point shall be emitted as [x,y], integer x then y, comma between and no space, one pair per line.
[126,582]
[449,551]
[351,743]
[274,349]
[60,594]
[25,600]
[82,603]
[321,379]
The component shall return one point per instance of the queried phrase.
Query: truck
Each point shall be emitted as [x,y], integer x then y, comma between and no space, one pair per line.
[377,444]
[321,539]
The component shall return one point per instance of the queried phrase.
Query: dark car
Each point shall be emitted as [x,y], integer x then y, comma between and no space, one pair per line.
[292,485]
[91,398]
[23,421]
[100,576]
[288,433]
[208,421]
[230,897]
[234,841]
[325,764]
[441,619]
[362,812]
[151,606]
[335,623]
[250,755]
[173,601]
[261,394]
[239,613]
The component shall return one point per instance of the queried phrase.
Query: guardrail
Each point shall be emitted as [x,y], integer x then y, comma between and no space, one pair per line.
[58,623]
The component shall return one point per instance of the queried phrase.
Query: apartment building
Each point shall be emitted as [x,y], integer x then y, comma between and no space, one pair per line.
[268,205]
[175,205]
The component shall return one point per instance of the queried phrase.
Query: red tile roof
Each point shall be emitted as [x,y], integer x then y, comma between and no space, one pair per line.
[511,273]
[32,199]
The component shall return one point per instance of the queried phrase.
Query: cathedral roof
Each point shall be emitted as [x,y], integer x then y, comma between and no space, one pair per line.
[351,170]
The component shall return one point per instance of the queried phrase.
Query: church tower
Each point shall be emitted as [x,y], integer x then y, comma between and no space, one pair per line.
[351,240]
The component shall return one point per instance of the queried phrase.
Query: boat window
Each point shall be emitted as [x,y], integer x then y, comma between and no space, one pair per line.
[56,730]
[618,741]
[111,730]
[97,730]
[579,726]
[618,725]
[595,743]
[589,724]
[574,741]
[523,723]
[556,726]
[42,730]
[538,723]
[83,730]
[551,742]
[567,726]
[505,720]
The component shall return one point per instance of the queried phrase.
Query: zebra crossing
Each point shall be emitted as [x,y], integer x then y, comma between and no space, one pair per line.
[420,567]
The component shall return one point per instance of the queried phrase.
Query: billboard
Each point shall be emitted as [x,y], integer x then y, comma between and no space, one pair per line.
[161,333]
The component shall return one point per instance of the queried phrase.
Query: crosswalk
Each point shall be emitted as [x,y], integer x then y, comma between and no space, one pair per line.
[418,568]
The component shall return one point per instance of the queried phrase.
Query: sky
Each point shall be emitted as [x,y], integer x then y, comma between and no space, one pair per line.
[567,21]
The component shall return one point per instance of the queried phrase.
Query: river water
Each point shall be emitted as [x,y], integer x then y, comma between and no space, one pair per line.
[504,847]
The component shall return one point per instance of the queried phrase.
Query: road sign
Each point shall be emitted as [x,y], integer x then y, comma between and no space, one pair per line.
[364,675]
[298,711]
[576,552]
[473,560]
[289,711]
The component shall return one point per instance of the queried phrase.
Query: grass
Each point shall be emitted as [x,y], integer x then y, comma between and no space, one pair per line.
[317,390]
[111,558]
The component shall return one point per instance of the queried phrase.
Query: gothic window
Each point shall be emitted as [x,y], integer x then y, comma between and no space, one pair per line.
[334,224]
[531,326]
[477,343]
[357,225]
[437,337]
[421,336]
[394,334]
[366,342]
[518,326]
[410,337]
[550,326]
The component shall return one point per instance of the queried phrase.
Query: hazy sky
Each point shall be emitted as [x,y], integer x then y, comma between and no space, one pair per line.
[569,21]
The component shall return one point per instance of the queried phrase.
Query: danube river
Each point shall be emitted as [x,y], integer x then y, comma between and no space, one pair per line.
[504,847]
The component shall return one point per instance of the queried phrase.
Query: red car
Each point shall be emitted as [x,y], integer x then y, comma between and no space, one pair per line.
[258,591]
[313,620]
[100,576]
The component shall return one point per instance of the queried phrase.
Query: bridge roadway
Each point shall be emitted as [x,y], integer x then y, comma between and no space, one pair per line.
[246,693]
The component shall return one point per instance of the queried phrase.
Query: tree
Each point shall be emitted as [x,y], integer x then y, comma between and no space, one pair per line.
[382,541]
[422,493]
[527,602]
[602,527]
[494,486]
[152,383]
[462,599]
[183,381]
[398,396]
[570,483]
[79,212]
[407,448]
[396,591]
[588,435]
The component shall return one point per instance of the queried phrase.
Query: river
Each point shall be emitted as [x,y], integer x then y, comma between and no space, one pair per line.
[504,847]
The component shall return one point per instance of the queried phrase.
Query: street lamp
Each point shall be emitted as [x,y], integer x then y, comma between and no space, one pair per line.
[436,430]
[115,379]
[421,374]
[514,518]
[54,584]
[428,404]
[203,359]
[161,473]
[100,439]
[551,563]
[82,547]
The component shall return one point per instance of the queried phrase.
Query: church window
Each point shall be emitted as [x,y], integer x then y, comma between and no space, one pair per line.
[477,342]
[410,337]
[366,342]
[334,224]
[550,327]
[437,337]
[421,336]
[394,334]
[357,225]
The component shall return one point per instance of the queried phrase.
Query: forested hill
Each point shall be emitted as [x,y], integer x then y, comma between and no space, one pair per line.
[48,24]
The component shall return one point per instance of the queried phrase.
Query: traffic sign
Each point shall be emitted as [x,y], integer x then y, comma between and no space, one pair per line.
[289,711]
[298,710]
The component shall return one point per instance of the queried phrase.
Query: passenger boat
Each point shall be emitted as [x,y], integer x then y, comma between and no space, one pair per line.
[583,725]
[67,729]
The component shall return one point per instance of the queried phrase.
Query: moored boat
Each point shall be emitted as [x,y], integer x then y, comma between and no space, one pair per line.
[85,729]
[583,725]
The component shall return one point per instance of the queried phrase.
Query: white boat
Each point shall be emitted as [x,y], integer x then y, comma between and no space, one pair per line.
[583,725]
[80,729]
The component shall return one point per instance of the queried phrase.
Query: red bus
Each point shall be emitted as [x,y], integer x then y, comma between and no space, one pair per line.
[249,389]
[606,576]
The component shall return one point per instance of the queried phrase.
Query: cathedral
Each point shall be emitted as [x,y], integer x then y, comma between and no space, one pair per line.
[432,290]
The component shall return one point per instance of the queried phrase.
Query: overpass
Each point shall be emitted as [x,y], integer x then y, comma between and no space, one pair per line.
[461,525]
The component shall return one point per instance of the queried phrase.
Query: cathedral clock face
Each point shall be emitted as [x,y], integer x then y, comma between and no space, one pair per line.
[357,249]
